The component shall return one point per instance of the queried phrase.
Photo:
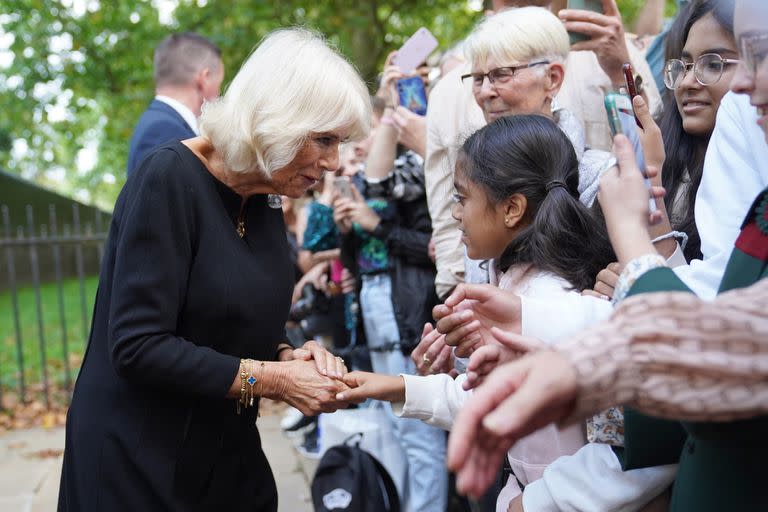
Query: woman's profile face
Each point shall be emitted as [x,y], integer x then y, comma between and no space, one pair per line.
[319,155]
[751,77]
[525,92]
[698,103]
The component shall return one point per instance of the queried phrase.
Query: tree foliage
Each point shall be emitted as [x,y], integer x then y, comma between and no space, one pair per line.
[80,71]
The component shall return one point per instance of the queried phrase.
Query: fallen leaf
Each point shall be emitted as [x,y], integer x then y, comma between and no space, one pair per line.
[47,453]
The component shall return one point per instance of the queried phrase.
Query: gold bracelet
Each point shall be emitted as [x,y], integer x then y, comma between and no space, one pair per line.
[261,386]
[251,380]
[242,386]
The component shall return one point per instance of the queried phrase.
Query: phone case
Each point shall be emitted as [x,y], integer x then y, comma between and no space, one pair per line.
[343,185]
[621,119]
[412,94]
[415,50]
[585,5]
[629,79]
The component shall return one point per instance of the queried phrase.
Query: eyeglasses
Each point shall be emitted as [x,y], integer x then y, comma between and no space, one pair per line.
[707,70]
[752,49]
[498,75]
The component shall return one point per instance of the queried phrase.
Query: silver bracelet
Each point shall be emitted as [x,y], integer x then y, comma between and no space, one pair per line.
[682,238]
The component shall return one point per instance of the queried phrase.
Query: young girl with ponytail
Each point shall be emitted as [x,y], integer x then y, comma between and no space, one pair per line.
[518,206]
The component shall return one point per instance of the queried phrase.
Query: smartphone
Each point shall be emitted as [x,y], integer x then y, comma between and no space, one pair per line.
[583,5]
[415,50]
[412,94]
[343,186]
[629,78]
[621,119]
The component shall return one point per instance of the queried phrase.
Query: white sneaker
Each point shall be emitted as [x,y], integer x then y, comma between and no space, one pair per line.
[290,418]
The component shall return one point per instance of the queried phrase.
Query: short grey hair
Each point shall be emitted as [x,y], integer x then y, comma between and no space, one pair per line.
[518,35]
[180,56]
[292,85]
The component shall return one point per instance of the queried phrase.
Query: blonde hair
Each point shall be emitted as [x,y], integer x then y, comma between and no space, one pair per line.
[518,35]
[292,85]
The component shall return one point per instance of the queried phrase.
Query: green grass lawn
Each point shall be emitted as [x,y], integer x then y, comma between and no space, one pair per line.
[77,334]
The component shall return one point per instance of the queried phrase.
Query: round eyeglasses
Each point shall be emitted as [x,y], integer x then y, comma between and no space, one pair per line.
[707,70]
[754,48]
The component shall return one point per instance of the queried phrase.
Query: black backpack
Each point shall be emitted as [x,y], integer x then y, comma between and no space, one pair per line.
[350,479]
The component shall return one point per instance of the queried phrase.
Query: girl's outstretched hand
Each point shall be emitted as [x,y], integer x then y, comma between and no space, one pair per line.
[468,314]
[508,347]
[517,398]
[364,385]
[432,355]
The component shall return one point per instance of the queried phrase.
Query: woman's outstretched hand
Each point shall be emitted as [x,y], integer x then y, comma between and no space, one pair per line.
[300,384]
[325,362]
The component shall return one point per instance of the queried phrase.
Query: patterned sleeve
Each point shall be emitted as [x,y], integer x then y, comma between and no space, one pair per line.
[404,183]
[675,356]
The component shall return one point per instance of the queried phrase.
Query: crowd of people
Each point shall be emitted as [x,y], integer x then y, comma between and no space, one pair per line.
[584,313]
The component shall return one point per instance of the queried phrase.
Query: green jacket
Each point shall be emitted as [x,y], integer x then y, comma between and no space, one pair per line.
[722,466]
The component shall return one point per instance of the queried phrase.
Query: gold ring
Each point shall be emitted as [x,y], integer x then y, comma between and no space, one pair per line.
[427,361]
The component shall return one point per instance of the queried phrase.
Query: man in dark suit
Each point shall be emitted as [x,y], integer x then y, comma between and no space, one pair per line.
[188,71]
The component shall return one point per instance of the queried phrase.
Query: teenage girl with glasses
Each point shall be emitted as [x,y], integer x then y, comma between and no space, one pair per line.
[701,58]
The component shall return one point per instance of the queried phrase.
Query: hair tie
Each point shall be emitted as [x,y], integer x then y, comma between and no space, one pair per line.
[556,183]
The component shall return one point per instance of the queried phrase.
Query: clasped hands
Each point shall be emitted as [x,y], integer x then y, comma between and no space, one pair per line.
[309,378]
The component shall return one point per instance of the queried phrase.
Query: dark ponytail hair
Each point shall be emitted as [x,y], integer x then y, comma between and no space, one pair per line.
[530,155]
[685,153]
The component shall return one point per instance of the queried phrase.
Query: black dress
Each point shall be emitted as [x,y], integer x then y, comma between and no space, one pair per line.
[181,298]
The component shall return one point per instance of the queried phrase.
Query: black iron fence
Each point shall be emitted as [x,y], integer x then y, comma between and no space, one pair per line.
[48,276]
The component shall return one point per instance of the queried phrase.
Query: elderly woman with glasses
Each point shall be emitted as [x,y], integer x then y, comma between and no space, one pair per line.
[188,329]
[518,66]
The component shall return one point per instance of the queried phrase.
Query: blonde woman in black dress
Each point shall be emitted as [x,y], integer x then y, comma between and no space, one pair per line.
[188,326]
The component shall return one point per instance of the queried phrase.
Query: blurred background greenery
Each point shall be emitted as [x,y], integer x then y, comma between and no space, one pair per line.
[76,74]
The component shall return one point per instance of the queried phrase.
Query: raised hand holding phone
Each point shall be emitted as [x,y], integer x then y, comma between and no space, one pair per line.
[583,5]
[621,120]
[415,50]
[631,87]
[411,92]
[343,186]
[604,31]
[623,197]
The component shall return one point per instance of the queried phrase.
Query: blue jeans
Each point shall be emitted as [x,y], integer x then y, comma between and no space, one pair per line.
[424,446]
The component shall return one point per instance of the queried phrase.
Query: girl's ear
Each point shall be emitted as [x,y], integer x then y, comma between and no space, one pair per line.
[514,210]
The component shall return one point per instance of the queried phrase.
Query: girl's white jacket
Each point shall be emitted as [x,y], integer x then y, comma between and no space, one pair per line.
[560,471]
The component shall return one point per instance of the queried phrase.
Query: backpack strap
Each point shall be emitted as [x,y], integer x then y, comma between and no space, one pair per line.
[351,441]
[394,498]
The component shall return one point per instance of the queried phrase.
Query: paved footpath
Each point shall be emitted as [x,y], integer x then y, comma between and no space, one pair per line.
[30,467]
